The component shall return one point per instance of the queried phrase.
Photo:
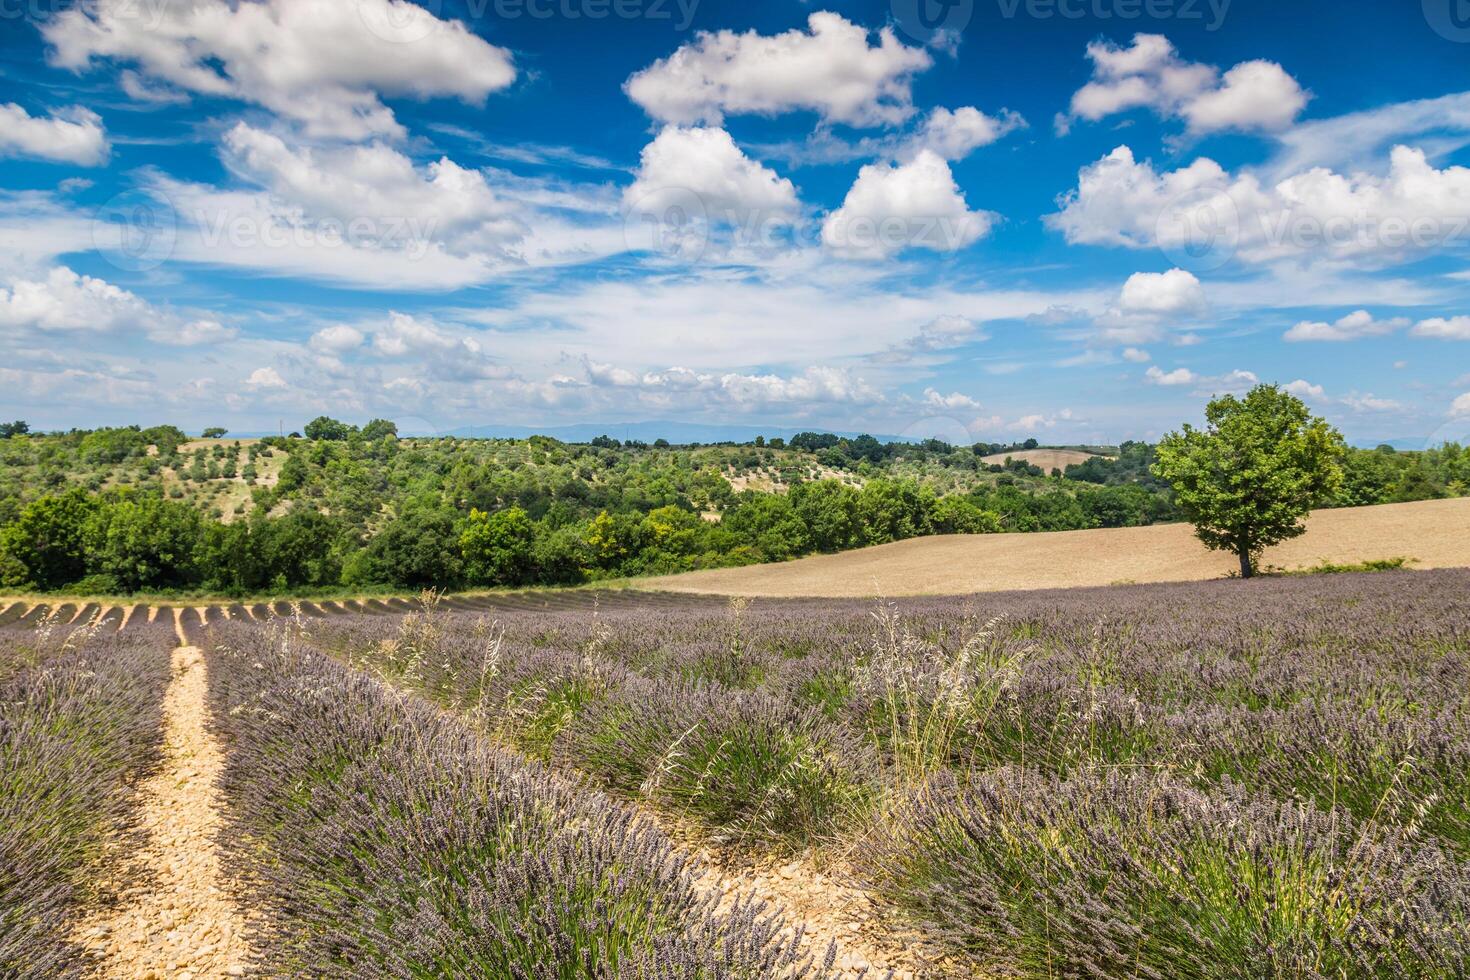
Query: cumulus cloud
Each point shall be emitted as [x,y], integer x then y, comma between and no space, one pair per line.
[1169,293]
[67,302]
[321,63]
[955,134]
[1318,214]
[817,384]
[1254,95]
[1147,307]
[1353,326]
[1231,382]
[1444,328]
[369,216]
[337,339]
[265,377]
[1178,376]
[73,135]
[1461,405]
[703,166]
[1136,355]
[377,189]
[891,207]
[955,401]
[1305,389]
[830,69]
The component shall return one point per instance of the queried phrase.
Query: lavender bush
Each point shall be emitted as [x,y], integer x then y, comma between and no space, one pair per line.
[384,838]
[80,724]
[1327,712]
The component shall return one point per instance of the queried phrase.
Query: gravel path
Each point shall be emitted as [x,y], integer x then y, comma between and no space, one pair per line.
[175,920]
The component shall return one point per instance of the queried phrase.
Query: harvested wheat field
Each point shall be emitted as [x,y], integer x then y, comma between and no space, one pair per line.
[1432,533]
[1047,459]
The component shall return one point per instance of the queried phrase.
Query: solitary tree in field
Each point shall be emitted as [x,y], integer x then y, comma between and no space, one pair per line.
[1249,477]
[213,432]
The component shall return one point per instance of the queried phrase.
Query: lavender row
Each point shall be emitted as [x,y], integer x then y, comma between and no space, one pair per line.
[379,837]
[80,725]
[784,721]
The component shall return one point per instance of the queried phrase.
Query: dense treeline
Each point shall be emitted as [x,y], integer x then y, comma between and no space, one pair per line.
[123,510]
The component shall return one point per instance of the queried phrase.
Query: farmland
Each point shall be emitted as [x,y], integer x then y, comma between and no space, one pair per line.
[1054,783]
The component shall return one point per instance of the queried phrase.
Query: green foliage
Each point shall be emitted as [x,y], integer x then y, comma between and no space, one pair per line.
[48,540]
[144,542]
[213,432]
[498,548]
[16,428]
[326,428]
[380,429]
[1248,479]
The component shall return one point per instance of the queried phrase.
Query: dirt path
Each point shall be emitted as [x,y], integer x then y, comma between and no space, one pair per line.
[832,911]
[176,921]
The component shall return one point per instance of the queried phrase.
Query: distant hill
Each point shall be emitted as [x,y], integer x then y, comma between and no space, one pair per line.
[675,432]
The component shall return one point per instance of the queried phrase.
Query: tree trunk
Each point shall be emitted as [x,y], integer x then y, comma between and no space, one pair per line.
[1246,568]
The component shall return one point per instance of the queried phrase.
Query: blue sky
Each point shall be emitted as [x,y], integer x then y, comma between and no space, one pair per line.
[1068,219]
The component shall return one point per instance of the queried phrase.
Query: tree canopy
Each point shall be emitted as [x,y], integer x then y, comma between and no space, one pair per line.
[1248,478]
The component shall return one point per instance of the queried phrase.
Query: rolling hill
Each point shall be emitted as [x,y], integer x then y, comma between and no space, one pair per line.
[1433,533]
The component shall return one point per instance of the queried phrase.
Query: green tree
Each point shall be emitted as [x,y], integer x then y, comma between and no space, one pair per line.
[16,428]
[378,429]
[213,432]
[324,427]
[497,547]
[1248,478]
[144,542]
[49,540]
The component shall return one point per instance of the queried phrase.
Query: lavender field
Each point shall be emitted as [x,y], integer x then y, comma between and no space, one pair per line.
[1228,779]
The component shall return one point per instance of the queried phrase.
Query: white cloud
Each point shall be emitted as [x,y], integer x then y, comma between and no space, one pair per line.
[1461,405]
[378,189]
[1444,328]
[1305,389]
[72,135]
[830,70]
[322,63]
[66,302]
[955,134]
[1148,306]
[1371,403]
[1353,326]
[1178,376]
[908,205]
[1318,214]
[265,377]
[949,403]
[368,216]
[1136,355]
[1171,293]
[1254,95]
[1232,382]
[337,339]
[706,163]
